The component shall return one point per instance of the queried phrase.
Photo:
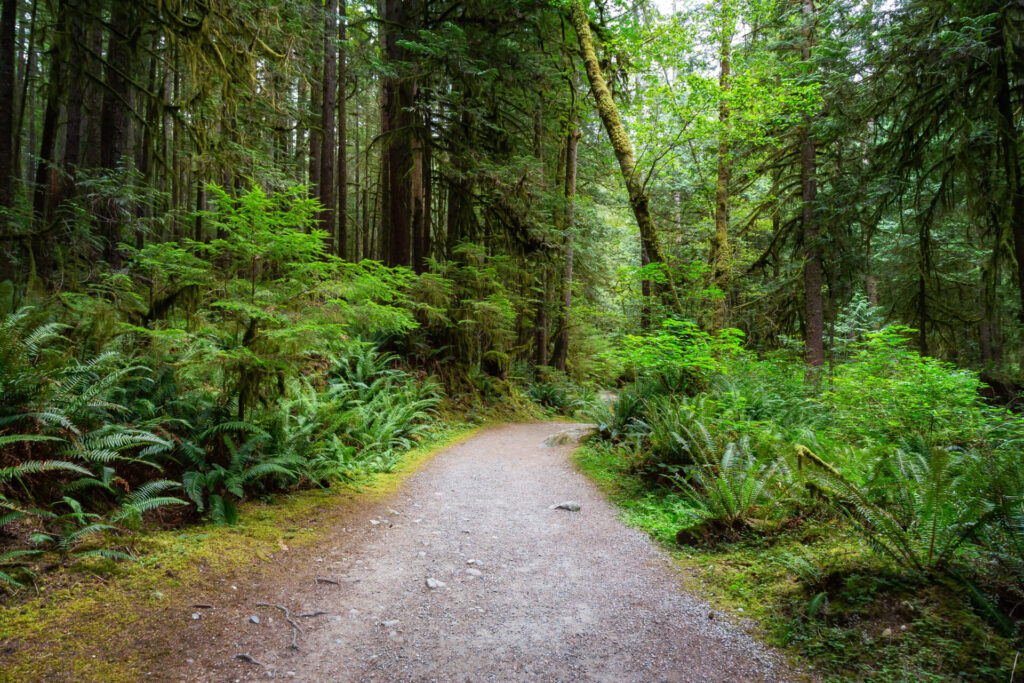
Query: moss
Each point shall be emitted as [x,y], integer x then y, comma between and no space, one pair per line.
[816,592]
[65,632]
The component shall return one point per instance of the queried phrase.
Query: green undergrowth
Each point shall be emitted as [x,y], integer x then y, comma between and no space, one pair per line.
[60,628]
[816,591]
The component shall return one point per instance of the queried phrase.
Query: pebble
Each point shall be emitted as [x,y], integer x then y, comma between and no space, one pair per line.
[570,505]
[254,619]
[374,522]
[195,615]
[474,572]
[389,623]
[432,584]
[421,554]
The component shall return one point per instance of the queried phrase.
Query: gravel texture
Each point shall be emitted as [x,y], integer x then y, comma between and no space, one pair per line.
[521,591]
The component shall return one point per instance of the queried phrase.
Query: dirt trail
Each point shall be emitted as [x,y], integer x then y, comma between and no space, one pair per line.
[531,593]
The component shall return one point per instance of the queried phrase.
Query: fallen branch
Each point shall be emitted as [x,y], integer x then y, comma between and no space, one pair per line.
[296,629]
[245,657]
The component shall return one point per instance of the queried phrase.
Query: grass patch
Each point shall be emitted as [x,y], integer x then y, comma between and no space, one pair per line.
[62,629]
[818,593]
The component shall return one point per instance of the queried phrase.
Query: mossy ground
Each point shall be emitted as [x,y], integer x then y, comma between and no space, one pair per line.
[72,626]
[815,591]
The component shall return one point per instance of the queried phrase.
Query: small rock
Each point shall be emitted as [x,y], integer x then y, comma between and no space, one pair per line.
[476,562]
[570,505]
[421,554]
[903,627]
[389,623]
[374,522]
[432,584]
[568,436]
[416,521]
[392,512]
[254,619]
[474,572]
[195,615]
[887,633]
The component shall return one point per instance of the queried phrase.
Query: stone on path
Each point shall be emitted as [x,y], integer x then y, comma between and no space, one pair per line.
[570,505]
[569,436]
[434,584]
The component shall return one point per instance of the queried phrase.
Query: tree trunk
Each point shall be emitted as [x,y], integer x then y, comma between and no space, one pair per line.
[8,26]
[23,92]
[115,118]
[814,341]
[638,199]
[720,257]
[562,343]
[417,204]
[342,136]
[428,193]
[1011,167]
[46,177]
[327,114]
[395,128]
[315,135]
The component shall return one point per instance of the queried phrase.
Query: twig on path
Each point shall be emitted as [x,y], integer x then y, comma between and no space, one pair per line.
[296,629]
[320,579]
[317,613]
[202,605]
[245,657]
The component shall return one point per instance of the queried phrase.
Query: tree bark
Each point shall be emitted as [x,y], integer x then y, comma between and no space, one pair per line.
[639,201]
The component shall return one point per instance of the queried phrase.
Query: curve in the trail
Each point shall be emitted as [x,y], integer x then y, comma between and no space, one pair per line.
[524,592]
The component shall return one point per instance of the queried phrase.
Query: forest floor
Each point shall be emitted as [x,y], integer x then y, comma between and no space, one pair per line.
[523,592]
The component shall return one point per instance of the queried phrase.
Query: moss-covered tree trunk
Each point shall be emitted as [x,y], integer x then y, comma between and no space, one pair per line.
[639,201]
[562,342]
[720,256]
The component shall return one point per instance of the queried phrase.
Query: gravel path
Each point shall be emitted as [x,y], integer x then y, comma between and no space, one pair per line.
[526,593]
